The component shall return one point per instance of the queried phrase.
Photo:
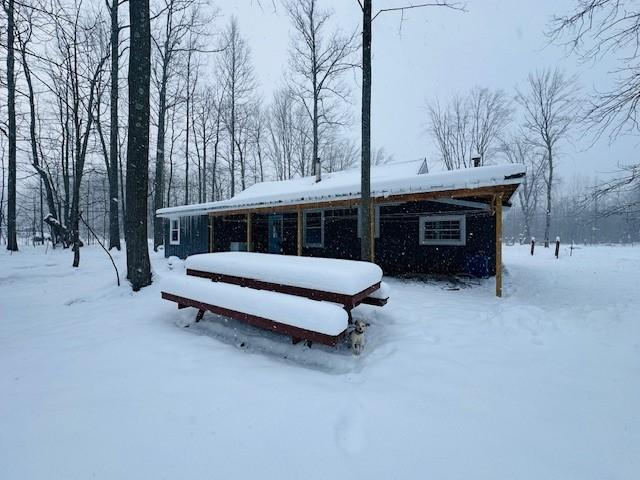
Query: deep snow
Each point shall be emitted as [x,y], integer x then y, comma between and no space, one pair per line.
[98,382]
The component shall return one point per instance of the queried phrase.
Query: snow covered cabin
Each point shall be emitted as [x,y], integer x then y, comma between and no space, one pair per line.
[441,222]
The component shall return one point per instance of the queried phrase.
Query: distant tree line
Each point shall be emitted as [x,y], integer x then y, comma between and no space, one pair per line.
[203,131]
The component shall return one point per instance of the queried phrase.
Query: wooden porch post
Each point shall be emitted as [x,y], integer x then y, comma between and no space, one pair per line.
[372,228]
[211,220]
[249,232]
[498,209]
[299,235]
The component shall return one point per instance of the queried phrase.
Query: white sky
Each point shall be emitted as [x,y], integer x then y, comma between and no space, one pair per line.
[437,53]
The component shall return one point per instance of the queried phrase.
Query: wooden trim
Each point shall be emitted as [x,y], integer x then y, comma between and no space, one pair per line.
[498,207]
[249,232]
[483,192]
[348,301]
[299,232]
[211,223]
[256,321]
[372,231]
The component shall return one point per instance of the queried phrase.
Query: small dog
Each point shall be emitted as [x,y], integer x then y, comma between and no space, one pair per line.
[357,337]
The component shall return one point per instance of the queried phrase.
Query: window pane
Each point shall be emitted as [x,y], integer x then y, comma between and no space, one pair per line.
[314,219]
[442,230]
[314,235]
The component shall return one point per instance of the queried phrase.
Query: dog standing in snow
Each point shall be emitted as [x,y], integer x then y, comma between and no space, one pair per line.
[357,338]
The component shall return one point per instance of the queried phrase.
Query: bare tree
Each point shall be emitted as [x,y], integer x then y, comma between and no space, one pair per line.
[237,78]
[12,239]
[366,6]
[468,126]
[112,163]
[608,29]
[319,58]
[490,114]
[518,149]
[550,111]
[181,23]
[24,38]
[138,264]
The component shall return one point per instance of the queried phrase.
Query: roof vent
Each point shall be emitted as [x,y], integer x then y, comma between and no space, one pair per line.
[476,159]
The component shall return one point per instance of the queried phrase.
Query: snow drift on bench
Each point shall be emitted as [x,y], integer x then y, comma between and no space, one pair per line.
[347,277]
[321,317]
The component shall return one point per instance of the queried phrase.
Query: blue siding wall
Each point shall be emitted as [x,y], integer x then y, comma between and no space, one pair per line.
[398,249]
[194,237]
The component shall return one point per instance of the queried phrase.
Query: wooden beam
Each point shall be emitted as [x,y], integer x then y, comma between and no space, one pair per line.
[372,230]
[482,192]
[249,232]
[211,222]
[498,207]
[299,232]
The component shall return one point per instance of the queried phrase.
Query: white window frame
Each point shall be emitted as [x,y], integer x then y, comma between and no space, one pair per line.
[304,228]
[377,214]
[435,218]
[172,229]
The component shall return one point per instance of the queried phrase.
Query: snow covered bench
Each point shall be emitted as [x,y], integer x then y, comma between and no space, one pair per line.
[346,282]
[380,297]
[290,315]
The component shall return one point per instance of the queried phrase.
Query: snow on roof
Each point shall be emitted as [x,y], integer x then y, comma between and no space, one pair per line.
[389,179]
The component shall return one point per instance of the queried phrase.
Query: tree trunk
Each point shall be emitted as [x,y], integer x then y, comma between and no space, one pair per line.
[114,222]
[158,237]
[547,224]
[138,264]
[365,195]
[12,235]
[44,178]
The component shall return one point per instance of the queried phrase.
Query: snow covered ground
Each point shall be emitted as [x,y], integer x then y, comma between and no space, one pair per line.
[98,382]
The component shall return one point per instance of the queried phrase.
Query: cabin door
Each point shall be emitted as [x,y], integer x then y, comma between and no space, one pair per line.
[275,233]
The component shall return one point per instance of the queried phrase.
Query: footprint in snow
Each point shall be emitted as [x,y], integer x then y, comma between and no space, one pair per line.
[350,434]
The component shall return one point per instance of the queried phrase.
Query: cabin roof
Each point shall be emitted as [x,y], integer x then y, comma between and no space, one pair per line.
[388,180]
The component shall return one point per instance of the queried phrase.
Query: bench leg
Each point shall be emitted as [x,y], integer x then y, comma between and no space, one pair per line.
[348,310]
[199,315]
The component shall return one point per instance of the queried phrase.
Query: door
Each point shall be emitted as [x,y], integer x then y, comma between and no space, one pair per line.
[275,233]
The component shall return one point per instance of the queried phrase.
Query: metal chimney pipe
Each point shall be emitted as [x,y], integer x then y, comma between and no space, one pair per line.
[476,159]
[318,170]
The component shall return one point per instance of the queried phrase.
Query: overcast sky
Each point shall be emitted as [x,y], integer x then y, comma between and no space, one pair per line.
[433,53]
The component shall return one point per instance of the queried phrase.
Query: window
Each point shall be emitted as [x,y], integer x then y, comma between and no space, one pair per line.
[174,231]
[314,228]
[443,230]
[377,213]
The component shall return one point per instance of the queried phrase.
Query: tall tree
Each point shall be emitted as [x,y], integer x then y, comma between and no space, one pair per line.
[550,110]
[24,38]
[319,59]
[112,164]
[469,125]
[518,149]
[609,29]
[138,264]
[366,6]
[180,19]
[238,83]
[12,238]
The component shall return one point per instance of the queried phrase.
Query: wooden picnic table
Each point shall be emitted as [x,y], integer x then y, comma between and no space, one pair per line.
[346,282]
[295,296]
